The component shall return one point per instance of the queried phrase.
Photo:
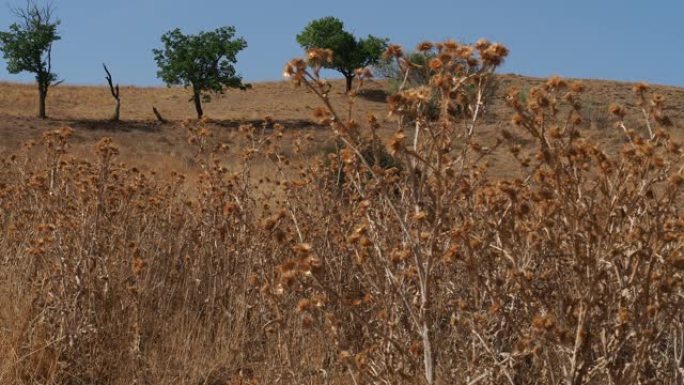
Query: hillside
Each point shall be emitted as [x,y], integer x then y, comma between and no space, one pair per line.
[144,141]
[563,262]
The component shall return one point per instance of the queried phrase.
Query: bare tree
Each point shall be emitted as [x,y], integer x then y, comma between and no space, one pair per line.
[115,94]
[158,114]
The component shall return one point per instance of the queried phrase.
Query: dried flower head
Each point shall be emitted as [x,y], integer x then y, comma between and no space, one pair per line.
[393,51]
[425,46]
[617,110]
[494,54]
[319,56]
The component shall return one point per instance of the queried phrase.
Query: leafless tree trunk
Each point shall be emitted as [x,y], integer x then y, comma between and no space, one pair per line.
[160,118]
[42,95]
[197,98]
[115,94]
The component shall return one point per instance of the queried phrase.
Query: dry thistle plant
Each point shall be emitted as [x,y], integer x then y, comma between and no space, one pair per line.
[428,271]
[382,267]
[115,276]
[383,262]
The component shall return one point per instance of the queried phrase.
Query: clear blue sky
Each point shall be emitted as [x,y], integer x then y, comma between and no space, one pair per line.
[631,40]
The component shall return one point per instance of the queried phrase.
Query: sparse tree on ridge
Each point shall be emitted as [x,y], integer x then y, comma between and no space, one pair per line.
[116,94]
[203,62]
[27,46]
[349,53]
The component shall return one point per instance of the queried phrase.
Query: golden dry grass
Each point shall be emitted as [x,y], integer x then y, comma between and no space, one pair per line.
[267,263]
[143,141]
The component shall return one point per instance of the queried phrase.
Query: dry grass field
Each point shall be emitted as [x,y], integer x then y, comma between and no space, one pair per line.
[537,241]
[144,142]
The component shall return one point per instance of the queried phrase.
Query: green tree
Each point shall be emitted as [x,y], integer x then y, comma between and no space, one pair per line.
[203,62]
[27,47]
[349,53]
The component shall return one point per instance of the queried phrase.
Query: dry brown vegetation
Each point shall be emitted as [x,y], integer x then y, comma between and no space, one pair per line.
[147,145]
[537,242]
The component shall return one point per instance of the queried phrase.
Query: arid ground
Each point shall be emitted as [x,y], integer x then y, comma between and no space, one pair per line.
[561,264]
[143,141]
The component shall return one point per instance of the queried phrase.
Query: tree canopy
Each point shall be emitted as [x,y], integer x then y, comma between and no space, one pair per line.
[203,62]
[349,53]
